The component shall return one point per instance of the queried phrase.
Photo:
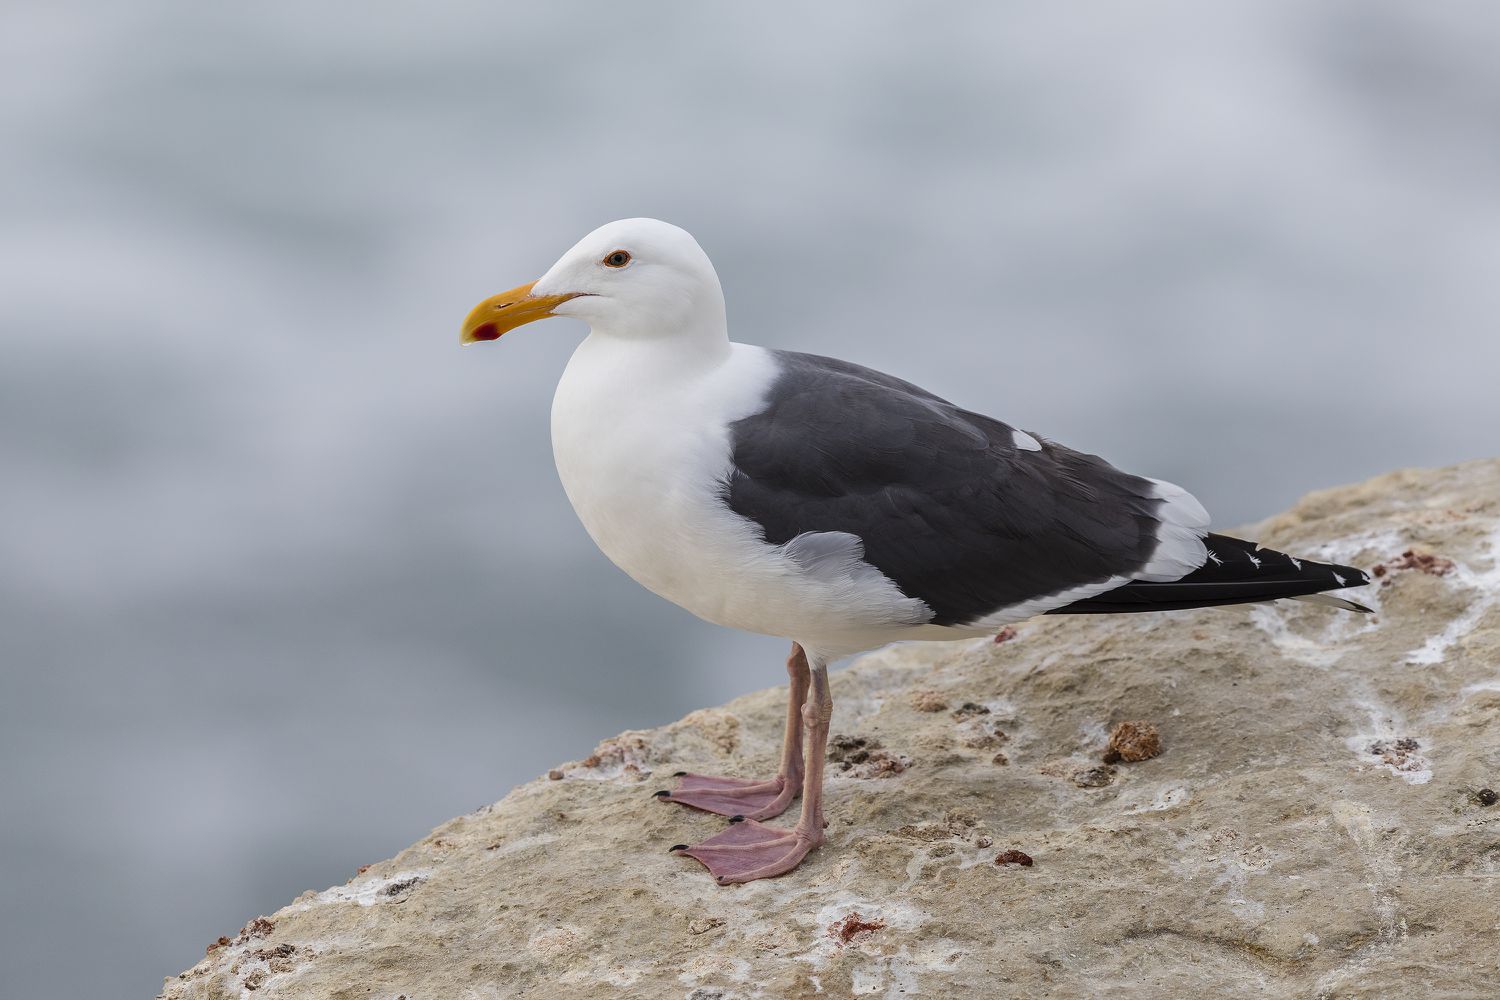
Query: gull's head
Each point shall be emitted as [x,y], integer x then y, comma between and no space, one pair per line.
[632,278]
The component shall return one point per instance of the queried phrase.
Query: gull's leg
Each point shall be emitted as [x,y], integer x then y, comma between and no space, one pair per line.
[749,850]
[751,797]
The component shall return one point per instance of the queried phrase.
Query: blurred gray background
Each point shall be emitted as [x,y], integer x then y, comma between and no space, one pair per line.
[286,577]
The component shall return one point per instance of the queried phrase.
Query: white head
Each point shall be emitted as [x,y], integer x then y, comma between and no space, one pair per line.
[636,278]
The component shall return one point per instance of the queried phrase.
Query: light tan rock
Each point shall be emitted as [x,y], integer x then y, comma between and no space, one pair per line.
[1313,827]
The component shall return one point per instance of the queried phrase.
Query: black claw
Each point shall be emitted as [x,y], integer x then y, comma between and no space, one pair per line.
[679,774]
[663,794]
[677,847]
[736,819]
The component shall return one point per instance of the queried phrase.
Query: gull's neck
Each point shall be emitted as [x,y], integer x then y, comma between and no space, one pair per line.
[695,338]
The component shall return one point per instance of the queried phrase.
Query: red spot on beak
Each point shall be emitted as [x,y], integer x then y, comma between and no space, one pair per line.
[486,332]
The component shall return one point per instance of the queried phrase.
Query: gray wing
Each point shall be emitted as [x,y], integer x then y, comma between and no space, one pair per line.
[946,503]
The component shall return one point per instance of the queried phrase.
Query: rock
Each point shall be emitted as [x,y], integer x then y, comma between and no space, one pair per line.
[1133,742]
[1096,776]
[1320,825]
[927,701]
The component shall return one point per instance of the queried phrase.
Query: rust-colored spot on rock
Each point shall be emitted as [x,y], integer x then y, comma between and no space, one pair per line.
[1422,562]
[1005,635]
[258,928]
[844,930]
[216,945]
[986,737]
[1013,857]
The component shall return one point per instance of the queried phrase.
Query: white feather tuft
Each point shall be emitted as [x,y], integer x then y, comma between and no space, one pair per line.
[1025,441]
[1179,538]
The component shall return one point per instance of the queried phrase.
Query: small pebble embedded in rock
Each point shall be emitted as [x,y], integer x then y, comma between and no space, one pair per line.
[1133,742]
[397,888]
[865,757]
[1013,857]
[928,701]
[1487,796]
[1094,777]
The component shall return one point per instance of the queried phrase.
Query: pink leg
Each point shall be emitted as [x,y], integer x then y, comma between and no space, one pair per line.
[750,850]
[750,797]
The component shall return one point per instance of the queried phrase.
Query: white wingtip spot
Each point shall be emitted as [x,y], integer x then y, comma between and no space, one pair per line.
[1025,441]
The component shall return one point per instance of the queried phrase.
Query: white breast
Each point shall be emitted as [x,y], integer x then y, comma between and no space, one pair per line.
[642,445]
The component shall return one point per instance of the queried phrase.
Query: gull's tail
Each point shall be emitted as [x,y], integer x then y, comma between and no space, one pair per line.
[1236,572]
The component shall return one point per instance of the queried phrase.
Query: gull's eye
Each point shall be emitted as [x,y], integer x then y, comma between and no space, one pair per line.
[617,259]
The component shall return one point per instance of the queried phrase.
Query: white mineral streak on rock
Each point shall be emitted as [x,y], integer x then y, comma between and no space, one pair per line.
[1158,799]
[1266,852]
[366,892]
[1313,651]
[1485,585]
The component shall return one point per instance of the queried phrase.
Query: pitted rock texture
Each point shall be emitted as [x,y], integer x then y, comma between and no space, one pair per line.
[1314,826]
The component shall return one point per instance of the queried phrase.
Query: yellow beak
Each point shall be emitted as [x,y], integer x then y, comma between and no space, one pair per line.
[501,313]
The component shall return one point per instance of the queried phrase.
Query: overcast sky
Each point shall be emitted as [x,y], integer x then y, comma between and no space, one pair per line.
[287,578]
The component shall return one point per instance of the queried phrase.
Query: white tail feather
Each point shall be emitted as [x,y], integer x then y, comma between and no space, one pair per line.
[1334,602]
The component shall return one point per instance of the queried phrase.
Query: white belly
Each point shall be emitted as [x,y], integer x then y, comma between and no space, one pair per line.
[642,448]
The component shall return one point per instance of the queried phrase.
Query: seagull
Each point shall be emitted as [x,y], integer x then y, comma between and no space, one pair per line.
[836,506]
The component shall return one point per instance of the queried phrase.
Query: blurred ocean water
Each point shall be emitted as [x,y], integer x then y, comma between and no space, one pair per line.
[286,577]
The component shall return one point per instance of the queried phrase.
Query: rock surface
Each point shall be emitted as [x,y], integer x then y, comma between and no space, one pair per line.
[1314,826]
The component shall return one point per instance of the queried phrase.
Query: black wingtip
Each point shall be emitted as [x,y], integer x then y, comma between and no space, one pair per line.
[1236,572]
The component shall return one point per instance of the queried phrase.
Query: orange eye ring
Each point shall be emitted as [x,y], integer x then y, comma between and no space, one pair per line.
[616,258]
